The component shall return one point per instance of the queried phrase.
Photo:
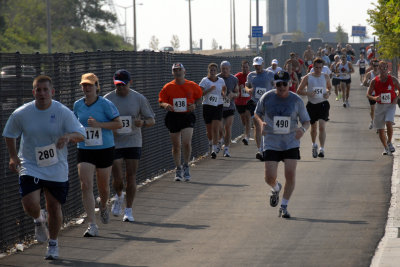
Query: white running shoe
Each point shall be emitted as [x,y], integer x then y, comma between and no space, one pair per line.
[178,174]
[347,104]
[386,152]
[41,231]
[391,147]
[91,231]
[315,151]
[52,251]
[186,173]
[116,208]
[371,125]
[128,217]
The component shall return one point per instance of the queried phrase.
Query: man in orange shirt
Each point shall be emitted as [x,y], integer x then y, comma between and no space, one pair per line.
[180,97]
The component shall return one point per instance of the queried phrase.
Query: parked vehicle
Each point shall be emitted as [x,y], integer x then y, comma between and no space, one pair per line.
[167,49]
[265,45]
[285,42]
[11,71]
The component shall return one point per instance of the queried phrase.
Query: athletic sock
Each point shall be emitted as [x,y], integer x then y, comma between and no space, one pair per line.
[214,148]
[276,187]
[53,242]
[284,202]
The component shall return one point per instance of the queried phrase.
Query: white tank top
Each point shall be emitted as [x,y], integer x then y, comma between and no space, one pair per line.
[344,69]
[318,85]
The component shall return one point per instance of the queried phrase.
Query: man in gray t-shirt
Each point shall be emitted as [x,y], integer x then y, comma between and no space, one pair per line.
[258,83]
[135,113]
[278,113]
[228,110]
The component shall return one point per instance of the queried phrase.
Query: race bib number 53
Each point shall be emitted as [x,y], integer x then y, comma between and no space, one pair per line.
[281,125]
[46,155]
[94,136]
[126,124]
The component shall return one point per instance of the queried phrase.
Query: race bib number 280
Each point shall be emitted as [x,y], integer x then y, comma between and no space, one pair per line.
[46,155]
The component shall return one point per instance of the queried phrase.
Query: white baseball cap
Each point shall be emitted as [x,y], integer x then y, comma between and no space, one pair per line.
[274,61]
[258,61]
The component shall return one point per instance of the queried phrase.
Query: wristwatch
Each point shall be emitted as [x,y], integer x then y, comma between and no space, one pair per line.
[303,129]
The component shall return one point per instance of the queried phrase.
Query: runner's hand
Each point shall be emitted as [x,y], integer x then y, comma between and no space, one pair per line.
[299,133]
[264,126]
[14,164]
[139,123]
[62,141]
[191,107]
[92,122]
[168,107]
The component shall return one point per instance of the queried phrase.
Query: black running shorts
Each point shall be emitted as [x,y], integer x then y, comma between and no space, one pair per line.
[29,184]
[273,155]
[211,113]
[318,111]
[101,158]
[177,121]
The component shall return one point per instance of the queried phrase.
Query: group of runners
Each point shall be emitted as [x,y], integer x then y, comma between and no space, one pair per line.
[107,130]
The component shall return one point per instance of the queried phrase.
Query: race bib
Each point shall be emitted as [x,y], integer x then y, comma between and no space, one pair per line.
[281,125]
[259,92]
[386,98]
[46,155]
[362,65]
[318,92]
[227,102]
[180,104]
[244,93]
[94,136]
[126,125]
[212,99]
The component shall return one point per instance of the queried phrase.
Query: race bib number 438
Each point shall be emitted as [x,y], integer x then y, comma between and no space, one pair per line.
[180,104]
[94,136]
[46,155]
[281,125]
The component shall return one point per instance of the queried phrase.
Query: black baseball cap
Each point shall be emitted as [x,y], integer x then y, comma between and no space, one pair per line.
[281,76]
[122,76]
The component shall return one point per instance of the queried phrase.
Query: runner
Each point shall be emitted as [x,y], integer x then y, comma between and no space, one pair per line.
[136,113]
[180,98]
[278,112]
[336,79]
[241,101]
[367,81]
[294,82]
[296,66]
[45,127]
[228,110]
[274,66]
[345,69]
[99,116]
[308,55]
[385,87]
[318,92]
[214,91]
[362,63]
[258,83]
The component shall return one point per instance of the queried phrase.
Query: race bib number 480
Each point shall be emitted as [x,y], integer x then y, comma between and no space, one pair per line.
[281,125]
[46,155]
[126,124]
[180,104]
[94,136]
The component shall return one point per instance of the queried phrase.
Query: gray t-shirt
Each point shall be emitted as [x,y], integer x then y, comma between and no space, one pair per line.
[132,106]
[261,82]
[282,116]
[230,82]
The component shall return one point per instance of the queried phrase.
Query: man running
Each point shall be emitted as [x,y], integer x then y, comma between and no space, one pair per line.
[241,101]
[180,98]
[345,69]
[335,78]
[367,81]
[385,87]
[277,113]
[308,56]
[318,92]
[228,110]
[274,66]
[135,113]
[46,127]
[362,64]
[258,83]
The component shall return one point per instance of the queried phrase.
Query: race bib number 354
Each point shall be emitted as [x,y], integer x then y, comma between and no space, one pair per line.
[281,125]
[94,136]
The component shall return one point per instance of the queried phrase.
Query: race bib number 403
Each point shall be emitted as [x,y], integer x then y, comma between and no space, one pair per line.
[126,125]
[94,136]
[180,104]
[281,125]
[46,155]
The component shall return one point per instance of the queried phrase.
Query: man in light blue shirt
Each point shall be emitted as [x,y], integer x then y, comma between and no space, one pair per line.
[278,113]
[46,127]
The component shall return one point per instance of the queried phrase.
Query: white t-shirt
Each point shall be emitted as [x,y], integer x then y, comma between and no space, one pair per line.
[39,131]
[325,70]
[213,98]
[274,70]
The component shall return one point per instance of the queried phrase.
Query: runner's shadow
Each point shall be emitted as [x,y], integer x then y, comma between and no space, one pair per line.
[70,262]
[326,221]
[173,225]
[137,238]
[228,185]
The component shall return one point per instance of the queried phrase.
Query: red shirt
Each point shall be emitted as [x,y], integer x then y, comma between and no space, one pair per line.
[240,101]
[385,88]
[190,91]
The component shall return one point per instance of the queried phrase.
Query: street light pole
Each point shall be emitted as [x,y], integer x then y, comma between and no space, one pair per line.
[134,26]
[190,27]
[257,18]
[48,26]
[234,27]
[250,27]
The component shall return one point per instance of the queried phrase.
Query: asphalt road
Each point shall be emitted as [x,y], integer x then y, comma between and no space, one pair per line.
[223,218]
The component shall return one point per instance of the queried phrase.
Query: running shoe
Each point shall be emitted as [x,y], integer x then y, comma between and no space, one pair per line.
[104,215]
[386,152]
[283,212]
[186,173]
[315,151]
[344,104]
[178,175]
[245,141]
[128,217]
[91,231]
[274,198]
[371,125]
[347,104]
[321,153]
[337,98]
[219,146]
[41,231]
[391,147]
[213,155]
[361,84]
[226,153]
[52,251]
[116,208]
[259,156]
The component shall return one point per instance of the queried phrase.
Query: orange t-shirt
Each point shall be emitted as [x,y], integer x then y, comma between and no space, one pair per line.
[174,94]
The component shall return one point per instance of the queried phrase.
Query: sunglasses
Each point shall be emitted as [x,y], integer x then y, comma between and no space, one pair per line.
[279,84]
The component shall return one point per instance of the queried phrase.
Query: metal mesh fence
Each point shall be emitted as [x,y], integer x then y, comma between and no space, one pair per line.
[150,71]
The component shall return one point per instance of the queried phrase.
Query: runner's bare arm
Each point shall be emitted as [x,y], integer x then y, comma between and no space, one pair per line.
[110,125]
[12,151]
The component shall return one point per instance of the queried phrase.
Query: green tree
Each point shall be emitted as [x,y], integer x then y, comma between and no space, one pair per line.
[321,29]
[154,43]
[297,36]
[385,19]
[175,42]
[341,36]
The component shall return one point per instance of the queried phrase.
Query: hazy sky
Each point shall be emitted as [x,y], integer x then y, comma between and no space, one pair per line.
[211,19]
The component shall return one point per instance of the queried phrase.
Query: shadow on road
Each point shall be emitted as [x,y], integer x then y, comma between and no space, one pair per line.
[326,221]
